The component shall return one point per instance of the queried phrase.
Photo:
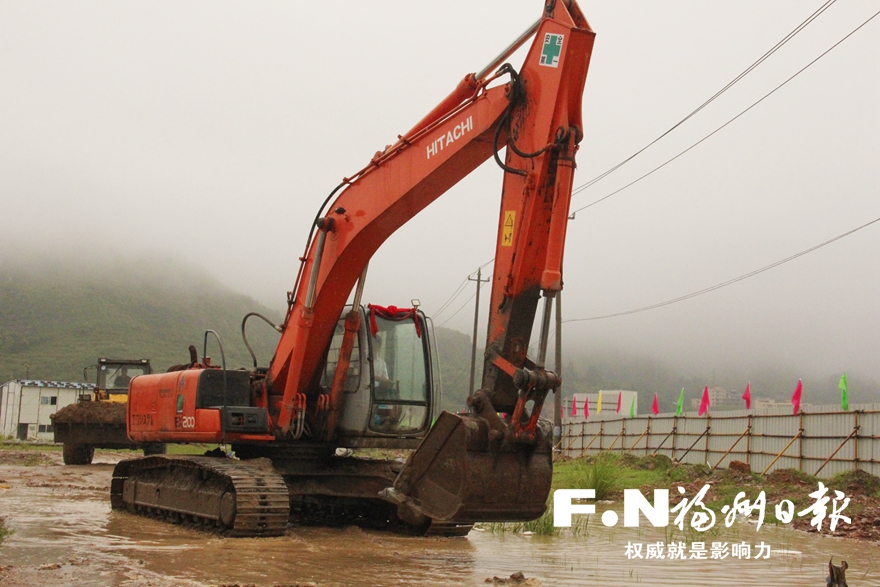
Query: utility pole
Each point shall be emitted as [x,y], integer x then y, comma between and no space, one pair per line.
[557,395]
[476,324]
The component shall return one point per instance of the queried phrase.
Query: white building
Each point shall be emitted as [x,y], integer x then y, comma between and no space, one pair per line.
[26,404]
[627,400]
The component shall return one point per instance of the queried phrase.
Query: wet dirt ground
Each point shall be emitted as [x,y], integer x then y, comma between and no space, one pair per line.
[64,533]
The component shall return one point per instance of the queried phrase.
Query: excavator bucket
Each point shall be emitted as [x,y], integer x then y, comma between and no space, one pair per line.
[464,472]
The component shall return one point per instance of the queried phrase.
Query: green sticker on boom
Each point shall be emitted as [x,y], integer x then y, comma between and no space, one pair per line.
[551,50]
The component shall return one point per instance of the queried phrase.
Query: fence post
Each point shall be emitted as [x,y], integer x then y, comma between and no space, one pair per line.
[674,435]
[708,427]
[856,447]
[801,443]
[749,443]
[648,440]
[569,433]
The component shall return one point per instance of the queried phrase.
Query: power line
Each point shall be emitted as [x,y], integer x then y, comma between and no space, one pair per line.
[728,282]
[662,165]
[458,290]
[451,298]
[459,309]
[730,84]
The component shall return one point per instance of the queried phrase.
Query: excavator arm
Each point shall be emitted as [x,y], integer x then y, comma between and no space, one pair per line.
[536,113]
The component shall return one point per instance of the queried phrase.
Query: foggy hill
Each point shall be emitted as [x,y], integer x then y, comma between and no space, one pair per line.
[57,317]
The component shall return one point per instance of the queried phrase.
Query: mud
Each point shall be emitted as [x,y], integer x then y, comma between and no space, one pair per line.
[93,412]
[64,533]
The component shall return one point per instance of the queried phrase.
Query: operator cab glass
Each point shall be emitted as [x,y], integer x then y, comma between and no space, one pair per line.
[400,374]
[115,377]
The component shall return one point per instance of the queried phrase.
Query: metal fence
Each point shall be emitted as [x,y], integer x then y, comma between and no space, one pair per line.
[823,441]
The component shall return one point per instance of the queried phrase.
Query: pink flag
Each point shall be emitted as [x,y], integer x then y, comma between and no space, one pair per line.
[796,396]
[587,408]
[655,407]
[748,395]
[574,406]
[704,403]
[619,395]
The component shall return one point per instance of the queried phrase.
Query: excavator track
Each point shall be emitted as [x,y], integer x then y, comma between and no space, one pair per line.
[238,498]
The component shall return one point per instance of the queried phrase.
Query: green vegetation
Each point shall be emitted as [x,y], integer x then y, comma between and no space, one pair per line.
[54,322]
[4,531]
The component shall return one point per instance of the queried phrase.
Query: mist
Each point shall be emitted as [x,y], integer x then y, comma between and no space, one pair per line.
[210,133]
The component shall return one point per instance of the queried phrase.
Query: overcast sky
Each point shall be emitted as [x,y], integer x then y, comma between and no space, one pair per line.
[211,131]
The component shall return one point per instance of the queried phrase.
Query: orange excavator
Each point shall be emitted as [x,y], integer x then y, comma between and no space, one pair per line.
[369,379]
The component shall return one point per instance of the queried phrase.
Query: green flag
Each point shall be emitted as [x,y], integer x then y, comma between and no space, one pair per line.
[844,394]
[632,409]
[679,407]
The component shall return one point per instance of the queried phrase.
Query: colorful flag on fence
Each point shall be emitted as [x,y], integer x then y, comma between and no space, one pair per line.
[679,407]
[574,406]
[599,403]
[796,396]
[844,394]
[748,395]
[587,407]
[655,407]
[704,403]
[632,408]
[619,397]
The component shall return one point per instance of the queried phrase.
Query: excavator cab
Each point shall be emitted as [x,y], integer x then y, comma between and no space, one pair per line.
[391,390]
[114,375]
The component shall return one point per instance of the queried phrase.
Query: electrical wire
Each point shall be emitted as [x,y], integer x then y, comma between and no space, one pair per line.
[728,282]
[662,165]
[451,298]
[717,94]
[459,309]
[458,290]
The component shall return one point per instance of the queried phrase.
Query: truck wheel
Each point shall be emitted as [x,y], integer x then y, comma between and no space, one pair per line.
[78,454]
[155,448]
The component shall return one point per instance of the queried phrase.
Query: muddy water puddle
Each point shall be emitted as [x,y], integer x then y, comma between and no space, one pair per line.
[72,524]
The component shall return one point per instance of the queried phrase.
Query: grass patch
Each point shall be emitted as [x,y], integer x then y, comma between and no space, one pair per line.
[600,473]
[25,458]
[19,445]
[4,531]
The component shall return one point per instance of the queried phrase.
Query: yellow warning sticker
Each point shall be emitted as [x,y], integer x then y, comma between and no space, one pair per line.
[507,228]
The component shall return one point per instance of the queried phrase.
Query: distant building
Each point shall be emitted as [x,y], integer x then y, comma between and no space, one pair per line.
[609,405]
[26,404]
[719,398]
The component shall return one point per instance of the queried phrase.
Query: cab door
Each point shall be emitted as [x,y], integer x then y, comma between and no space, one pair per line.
[389,392]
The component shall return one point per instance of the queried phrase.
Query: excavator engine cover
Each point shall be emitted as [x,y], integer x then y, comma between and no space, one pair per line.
[463,473]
